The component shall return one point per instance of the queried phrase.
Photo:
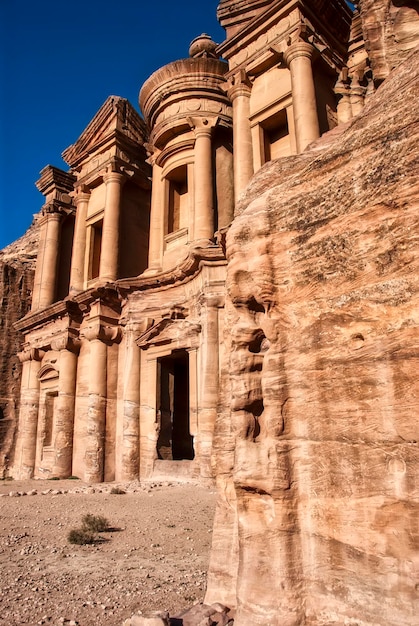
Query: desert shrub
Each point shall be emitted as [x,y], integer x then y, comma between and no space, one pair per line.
[95,523]
[81,536]
[117,491]
[73,478]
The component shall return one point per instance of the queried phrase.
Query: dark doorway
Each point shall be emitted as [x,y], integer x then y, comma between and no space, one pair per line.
[175,441]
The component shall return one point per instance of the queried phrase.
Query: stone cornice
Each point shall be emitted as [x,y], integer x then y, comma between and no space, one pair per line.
[59,309]
[137,171]
[106,294]
[197,257]
[52,179]
[187,87]
[115,122]
[332,20]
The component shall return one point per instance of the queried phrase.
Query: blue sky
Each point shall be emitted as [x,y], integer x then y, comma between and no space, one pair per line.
[59,61]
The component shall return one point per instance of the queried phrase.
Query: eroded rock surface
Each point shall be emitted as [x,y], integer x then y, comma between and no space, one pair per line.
[317,520]
[390,32]
[17,266]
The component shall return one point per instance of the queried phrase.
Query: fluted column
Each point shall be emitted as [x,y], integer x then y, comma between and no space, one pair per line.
[155,250]
[47,262]
[239,94]
[108,270]
[64,413]
[25,453]
[204,182]
[130,462]
[298,58]
[81,199]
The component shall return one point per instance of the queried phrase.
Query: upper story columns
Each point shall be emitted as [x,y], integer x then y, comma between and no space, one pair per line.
[47,262]
[56,186]
[108,269]
[239,93]
[81,200]
[155,248]
[204,182]
[298,56]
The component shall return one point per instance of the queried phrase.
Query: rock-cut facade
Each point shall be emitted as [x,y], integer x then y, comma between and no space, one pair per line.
[123,343]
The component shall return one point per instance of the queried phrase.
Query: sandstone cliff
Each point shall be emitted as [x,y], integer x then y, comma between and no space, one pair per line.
[317,433]
[17,265]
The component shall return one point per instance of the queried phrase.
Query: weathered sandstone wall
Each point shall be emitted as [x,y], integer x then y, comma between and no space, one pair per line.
[390,32]
[17,265]
[317,433]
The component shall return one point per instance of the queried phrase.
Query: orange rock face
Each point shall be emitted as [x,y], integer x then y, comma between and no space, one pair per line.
[17,263]
[317,437]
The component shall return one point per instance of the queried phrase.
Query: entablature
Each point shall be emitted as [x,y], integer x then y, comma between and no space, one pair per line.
[186,270]
[62,309]
[260,44]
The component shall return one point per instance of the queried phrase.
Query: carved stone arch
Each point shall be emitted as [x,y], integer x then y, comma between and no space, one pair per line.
[48,372]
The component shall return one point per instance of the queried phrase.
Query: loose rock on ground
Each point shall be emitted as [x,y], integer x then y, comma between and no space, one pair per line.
[154,558]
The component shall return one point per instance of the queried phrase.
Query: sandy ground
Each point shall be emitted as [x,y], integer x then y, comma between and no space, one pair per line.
[155,557]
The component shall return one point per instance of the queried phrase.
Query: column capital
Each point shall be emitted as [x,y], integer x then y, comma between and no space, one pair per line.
[65,341]
[52,210]
[240,85]
[99,332]
[153,153]
[298,49]
[212,301]
[202,125]
[31,354]
[81,194]
[113,177]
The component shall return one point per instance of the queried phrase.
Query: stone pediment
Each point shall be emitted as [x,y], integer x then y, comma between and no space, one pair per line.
[116,117]
[181,332]
[235,14]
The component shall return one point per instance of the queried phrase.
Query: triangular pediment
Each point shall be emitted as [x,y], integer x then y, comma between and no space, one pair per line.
[234,15]
[115,118]
[180,332]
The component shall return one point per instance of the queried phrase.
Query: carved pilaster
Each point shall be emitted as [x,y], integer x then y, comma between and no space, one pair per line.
[155,251]
[81,200]
[239,93]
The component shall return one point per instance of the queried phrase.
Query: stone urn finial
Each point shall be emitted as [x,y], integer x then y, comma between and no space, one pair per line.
[203,46]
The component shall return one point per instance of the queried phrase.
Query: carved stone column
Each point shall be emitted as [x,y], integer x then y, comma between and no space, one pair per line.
[357,95]
[47,261]
[155,250]
[239,94]
[130,461]
[64,415]
[25,453]
[108,270]
[209,382]
[342,91]
[99,337]
[298,57]
[81,199]
[203,174]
